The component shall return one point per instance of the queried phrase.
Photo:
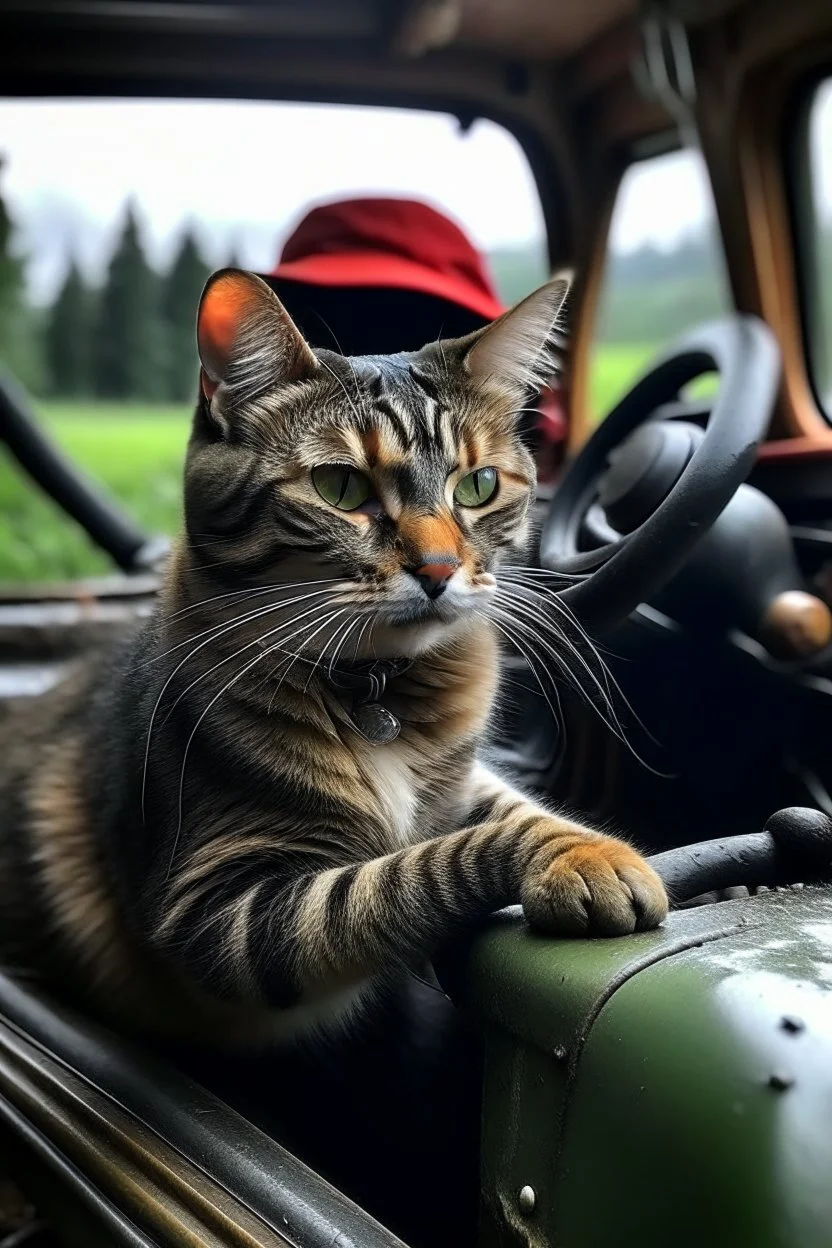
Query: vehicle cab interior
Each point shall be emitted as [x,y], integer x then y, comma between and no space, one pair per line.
[676,686]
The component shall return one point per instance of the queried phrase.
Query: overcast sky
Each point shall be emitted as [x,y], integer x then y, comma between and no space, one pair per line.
[243,172]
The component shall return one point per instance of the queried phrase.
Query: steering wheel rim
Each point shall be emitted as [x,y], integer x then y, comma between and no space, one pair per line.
[612,580]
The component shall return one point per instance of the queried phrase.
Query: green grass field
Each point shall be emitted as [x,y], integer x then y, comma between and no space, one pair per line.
[135,453]
[613,369]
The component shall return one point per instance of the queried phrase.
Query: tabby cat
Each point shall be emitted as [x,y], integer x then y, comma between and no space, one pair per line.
[267,801]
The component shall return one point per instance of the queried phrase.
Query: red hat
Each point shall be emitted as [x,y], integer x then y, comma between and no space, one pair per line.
[398,243]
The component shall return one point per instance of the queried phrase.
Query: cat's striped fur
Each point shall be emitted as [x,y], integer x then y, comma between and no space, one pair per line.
[195,836]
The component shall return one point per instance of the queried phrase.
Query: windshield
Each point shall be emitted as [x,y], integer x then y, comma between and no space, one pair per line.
[114,213]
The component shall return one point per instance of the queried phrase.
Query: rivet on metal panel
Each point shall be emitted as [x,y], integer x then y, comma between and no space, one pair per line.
[526,1200]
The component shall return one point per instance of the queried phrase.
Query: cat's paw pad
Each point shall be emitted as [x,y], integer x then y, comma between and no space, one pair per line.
[600,886]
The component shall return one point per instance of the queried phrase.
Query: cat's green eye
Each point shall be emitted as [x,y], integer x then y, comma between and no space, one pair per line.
[476,488]
[343,487]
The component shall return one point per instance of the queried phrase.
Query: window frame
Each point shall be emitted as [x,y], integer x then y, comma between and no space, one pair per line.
[803,224]
[653,147]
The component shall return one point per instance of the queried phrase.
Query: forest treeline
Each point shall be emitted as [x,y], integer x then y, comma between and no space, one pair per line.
[132,337]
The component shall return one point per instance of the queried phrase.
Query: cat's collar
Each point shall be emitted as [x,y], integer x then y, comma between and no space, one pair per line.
[366,682]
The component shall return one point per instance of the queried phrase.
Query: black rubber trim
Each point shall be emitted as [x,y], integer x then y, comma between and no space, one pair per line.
[255,1169]
[50,469]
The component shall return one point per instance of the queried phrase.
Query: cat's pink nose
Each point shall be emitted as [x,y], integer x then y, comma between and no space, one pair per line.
[434,577]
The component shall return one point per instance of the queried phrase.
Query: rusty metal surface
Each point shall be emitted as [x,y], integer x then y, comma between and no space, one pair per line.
[43,626]
[126,587]
[27,680]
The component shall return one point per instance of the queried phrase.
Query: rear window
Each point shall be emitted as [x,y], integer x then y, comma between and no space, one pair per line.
[146,198]
[817,243]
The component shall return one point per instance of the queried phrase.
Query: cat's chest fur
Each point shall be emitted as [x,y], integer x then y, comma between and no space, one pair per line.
[418,784]
[413,798]
[393,789]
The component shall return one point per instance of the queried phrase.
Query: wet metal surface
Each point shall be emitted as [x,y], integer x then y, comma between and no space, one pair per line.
[697,1104]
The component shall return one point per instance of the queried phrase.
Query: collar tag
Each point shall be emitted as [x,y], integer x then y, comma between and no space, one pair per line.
[375,723]
[367,682]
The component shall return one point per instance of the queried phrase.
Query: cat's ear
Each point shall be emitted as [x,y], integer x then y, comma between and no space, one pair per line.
[247,342]
[520,351]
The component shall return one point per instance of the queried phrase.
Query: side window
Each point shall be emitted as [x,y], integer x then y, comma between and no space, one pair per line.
[817,243]
[664,271]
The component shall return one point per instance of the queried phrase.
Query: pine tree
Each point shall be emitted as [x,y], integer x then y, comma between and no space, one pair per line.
[127,364]
[180,294]
[234,260]
[19,338]
[68,337]
[11,272]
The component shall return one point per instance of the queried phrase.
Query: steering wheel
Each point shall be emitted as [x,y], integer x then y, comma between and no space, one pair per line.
[642,492]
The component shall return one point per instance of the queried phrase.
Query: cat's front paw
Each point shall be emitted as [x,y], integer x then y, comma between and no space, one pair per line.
[595,886]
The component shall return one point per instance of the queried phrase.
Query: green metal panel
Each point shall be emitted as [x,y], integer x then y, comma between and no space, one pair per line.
[546,991]
[702,1103]
[649,1091]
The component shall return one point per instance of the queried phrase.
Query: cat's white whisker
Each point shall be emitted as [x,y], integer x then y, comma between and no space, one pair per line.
[245,594]
[543,573]
[550,600]
[329,620]
[615,727]
[347,624]
[520,607]
[217,629]
[248,593]
[297,655]
[205,712]
[257,641]
[357,645]
[512,639]
[238,623]
[257,659]
[553,599]
[339,647]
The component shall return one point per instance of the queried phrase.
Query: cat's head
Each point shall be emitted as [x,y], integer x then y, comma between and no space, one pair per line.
[398,480]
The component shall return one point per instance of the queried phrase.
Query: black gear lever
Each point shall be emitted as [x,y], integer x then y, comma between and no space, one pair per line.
[794,848]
